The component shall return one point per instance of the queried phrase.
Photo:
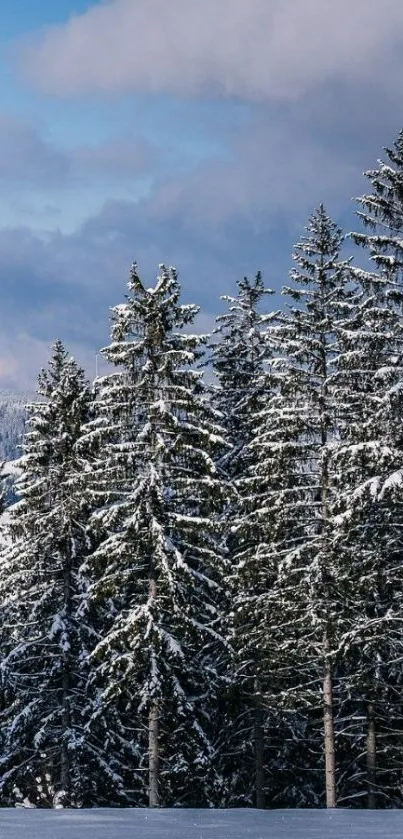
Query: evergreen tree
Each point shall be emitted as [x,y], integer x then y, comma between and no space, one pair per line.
[239,355]
[158,565]
[288,598]
[370,497]
[48,757]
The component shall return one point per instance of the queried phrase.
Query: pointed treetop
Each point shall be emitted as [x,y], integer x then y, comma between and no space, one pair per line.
[384,207]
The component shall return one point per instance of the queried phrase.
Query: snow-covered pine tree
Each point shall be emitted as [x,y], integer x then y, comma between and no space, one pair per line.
[48,758]
[239,356]
[159,565]
[371,462]
[288,597]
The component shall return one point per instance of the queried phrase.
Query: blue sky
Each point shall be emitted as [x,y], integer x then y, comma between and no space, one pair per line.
[197,134]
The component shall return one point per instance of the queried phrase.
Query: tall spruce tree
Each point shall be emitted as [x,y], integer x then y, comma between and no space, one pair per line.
[158,566]
[372,461]
[239,355]
[294,602]
[48,758]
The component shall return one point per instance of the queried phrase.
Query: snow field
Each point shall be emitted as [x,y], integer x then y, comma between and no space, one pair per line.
[200,824]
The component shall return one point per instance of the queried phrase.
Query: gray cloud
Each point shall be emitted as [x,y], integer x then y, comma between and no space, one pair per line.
[253,49]
[277,168]
[115,159]
[27,158]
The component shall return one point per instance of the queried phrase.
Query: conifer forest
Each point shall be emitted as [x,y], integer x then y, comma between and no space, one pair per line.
[201,577]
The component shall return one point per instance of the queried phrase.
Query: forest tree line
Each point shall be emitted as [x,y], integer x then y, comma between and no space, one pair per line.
[201,582]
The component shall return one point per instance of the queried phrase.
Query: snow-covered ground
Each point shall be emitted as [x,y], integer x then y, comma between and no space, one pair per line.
[200,824]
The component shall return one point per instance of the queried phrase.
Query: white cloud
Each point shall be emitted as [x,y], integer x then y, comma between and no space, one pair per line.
[249,48]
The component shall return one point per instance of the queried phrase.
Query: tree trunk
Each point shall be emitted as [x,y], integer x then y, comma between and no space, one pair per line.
[330,766]
[153,755]
[259,751]
[153,727]
[328,714]
[65,773]
[65,769]
[371,756]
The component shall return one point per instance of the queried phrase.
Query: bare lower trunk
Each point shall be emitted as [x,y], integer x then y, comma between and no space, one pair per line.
[371,756]
[330,766]
[153,727]
[153,755]
[259,751]
[65,768]
[65,773]
[328,715]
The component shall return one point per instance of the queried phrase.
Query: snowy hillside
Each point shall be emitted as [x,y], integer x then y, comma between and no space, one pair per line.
[12,422]
[12,416]
[200,824]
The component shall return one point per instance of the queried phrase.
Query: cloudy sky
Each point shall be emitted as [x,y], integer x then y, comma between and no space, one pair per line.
[200,134]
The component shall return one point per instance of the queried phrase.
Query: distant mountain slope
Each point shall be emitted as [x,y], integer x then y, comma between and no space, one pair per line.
[12,428]
[12,420]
